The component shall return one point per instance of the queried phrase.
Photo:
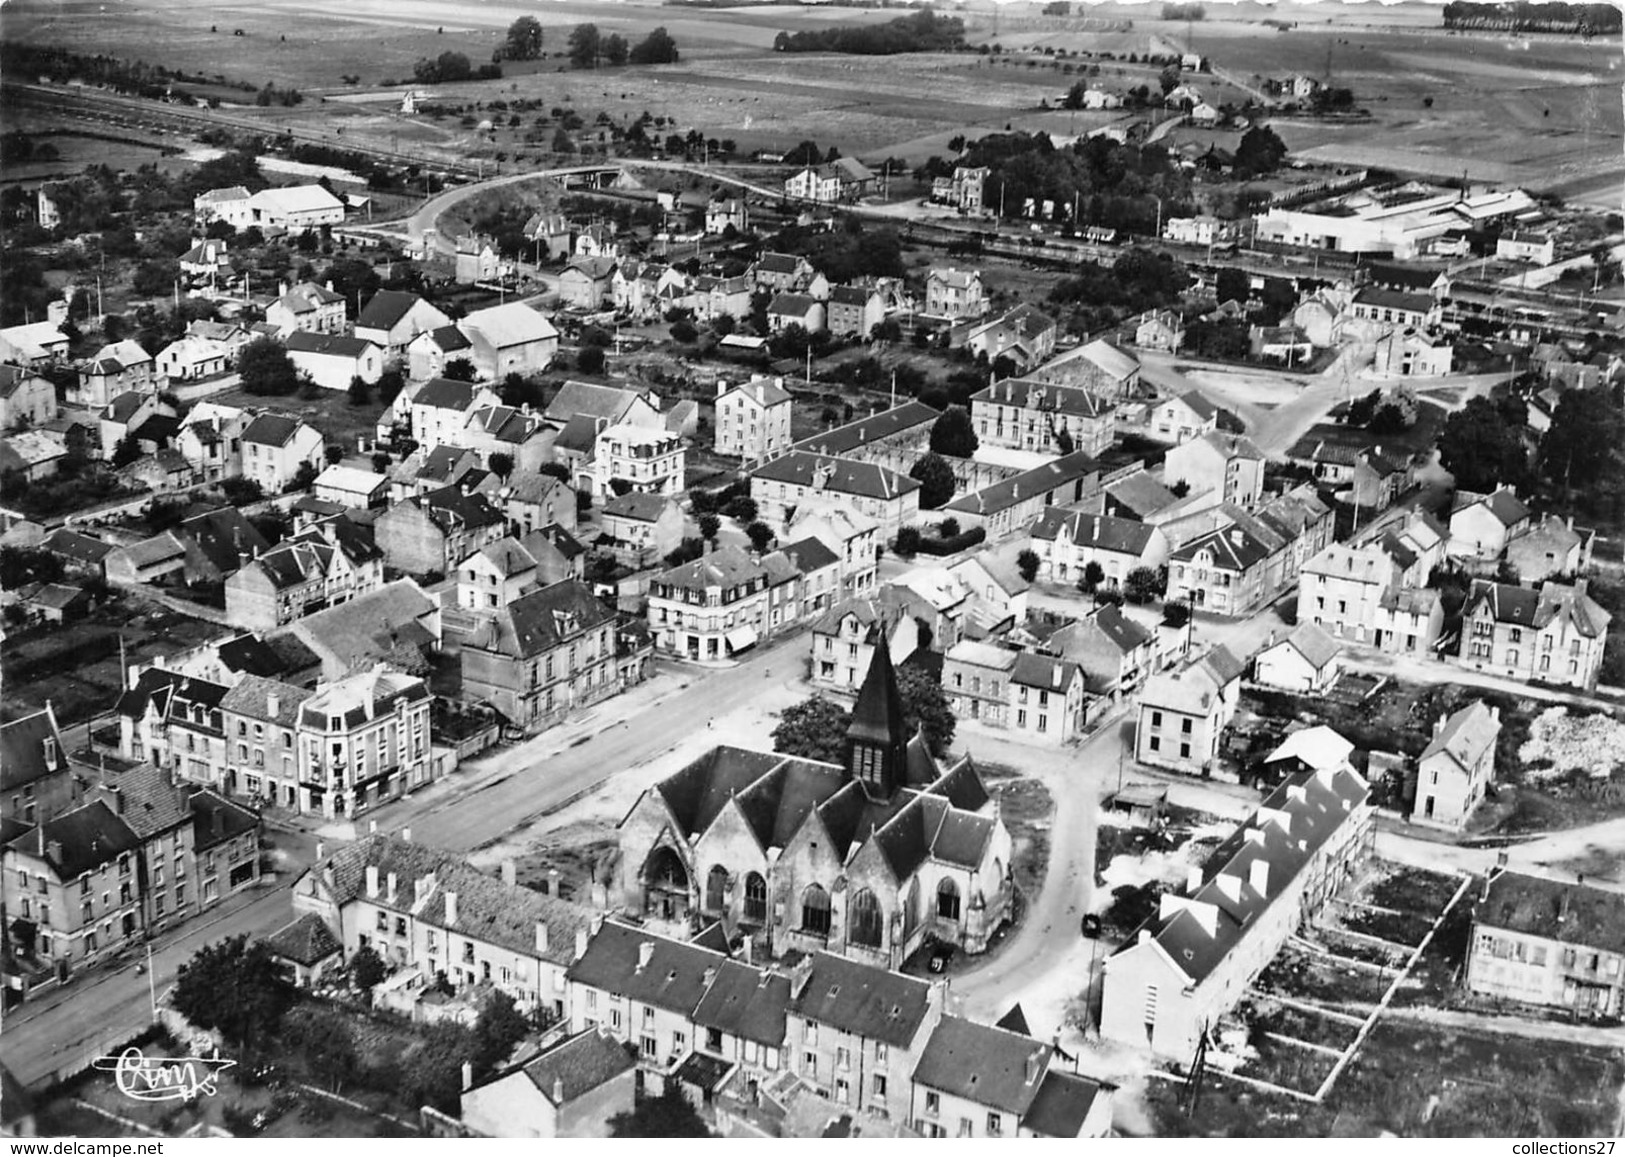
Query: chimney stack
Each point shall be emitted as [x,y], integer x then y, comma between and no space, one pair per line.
[510,873]
[372,881]
[389,890]
[1032,1067]
[406,834]
[646,952]
[541,936]
[468,1075]
[321,849]
[273,705]
[1258,875]
[558,1090]
[451,909]
[1193,880]
[581,944]
[372,827]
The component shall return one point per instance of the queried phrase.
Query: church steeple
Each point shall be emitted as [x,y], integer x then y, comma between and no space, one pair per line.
[877,740]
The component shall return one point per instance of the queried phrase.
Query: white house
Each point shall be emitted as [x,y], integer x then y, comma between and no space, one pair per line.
[188,358]
[332,360]
[391,319]
[1307,661]
[753,419]
[274,448]
[296,208]
[510,339]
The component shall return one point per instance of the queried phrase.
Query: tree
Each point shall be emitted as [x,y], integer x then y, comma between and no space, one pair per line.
[620,487]
[1176,615]
[1389,419]
[562,142]
[683,332]
[127,451]
[1585,439]
[1233,284]
[359,390]
[590,360]
[303,479]
[24,933]
[1064,441]
[1481,450]
[460,370]
[668,1115]
[954,434]
[500,464]
[656,48]
[334,454]
[741,508]
[325,1042]
[908,541]
[236,987]
[498,1029]
[1027,564]
[1259,151]
[710,524]
[948,528]
[1142,584]
[686,551]
[926,707]
[813,729]
[265,368]
[153,279]
[761,536]
[584,46]
[1093,575]
[936,479]
[615,49]
[524,40]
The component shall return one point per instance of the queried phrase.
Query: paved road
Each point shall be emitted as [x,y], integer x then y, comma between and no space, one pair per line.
[102,1005]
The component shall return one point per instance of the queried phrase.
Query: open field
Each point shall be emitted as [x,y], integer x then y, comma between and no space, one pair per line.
[1440,103]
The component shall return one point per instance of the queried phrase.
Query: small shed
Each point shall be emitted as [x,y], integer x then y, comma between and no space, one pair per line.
[307,948]
[1144,805]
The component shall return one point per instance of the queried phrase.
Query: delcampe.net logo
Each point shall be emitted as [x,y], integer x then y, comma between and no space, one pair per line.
[144,1078]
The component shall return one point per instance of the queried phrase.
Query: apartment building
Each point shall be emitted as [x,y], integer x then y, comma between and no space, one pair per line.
[1553,633]
[1548,942]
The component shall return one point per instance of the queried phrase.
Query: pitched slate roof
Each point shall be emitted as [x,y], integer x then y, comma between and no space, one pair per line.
[446,394]
[448,338]
[878,716]
[1045,397]
[224,537]
[1394,299]
[746,1002]
[983,1064]
[253,694]
[1044,479]
[792,305]
[870,613]
[638,505]
[78,547]
[1314,644]
[77,841]
[1522,607]
[385,308]
[1501,503]
[577,1065]
[863,479]
[217,820]
[328,345]
[1465,736]
[1141,494]
[1098,531]
[809,555]
[305,940]
[509,325]
[862,432]
[786,264]
[487,909]
[1553,910]
[674,978]
[1062,1104]
[863,1000]
[271,430]
[1044,672]
[23,750]
[541,621]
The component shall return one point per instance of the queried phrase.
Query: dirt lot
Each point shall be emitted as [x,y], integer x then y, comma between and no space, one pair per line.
[76,667]
[1027,809]
[576,851]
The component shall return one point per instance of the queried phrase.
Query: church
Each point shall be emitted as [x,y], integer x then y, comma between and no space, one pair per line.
[865,860]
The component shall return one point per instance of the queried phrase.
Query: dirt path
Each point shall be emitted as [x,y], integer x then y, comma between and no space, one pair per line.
[1580,1034]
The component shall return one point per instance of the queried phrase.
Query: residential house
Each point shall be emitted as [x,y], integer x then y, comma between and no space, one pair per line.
[1137,494]
[955,294]
[1393,307]
[500,572]
[333,361]
[893,438]
[218,543]
[596,240]
[212,440]
[126,414]
[1228,465]
[570,1089]
[74,874]
[352,487]
[428,354]
[963,190]
[31,454]
[787,309]
[1067,542]
[1534,248]
[314,570]
[1024,335]
[798,480]
[722,212]
[781,272]
[397,624]
[1183,417]
[307,308]
[233,205]
[1481,525]
[207,260]
[1232,567]
[1457,766]
[34,344]
[1029,414]
[1540,941]
[753,419]
[1550,548]
[854,310]
[363,741]
[1097,366]
[535,501]
[543,655]
[1344,586]
[715,297]
[1204,229]
[998,593]
[1552,633]
[1308,661]
[938,599]
[1183,713]
[841,180]
[509,339]
[722,604]
[190,358]
[113,370]
[172,720]
[515,432]
[1013,505]
[1413,353]
[852,537]
[844,639]
[35,783]
[393,319]
[438,412]
[650,459]
[26,399]
[585,283]
[1160,329]
[475,259]
[641,527]
[1182,971]
[276,447]
[428,910]
[81,555]
[1113,650]
[431,532]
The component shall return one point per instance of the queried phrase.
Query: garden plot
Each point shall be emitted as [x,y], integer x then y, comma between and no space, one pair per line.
[1317,979]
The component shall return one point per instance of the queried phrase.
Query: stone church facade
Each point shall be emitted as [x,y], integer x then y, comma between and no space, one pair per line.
[865,860]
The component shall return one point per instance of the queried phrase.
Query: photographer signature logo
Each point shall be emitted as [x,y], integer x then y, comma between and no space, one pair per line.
[144,1078]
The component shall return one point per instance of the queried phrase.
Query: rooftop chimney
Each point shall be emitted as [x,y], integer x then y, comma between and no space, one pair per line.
[646,951]
[1193,880]
[541,936]
[389,889]
[468,1075]
[451,909]
[273,705]
[1033,1068]
[321,848]
[510,873]
[799,976]
[558,1090]
[372,827]
[1258,875]
[709,977]
[372,880]
[581,943]
[406,834]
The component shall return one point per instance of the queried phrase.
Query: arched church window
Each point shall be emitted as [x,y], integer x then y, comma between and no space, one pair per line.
[948,900]
[815,911]
[755,898]
[716,889]
[865,924]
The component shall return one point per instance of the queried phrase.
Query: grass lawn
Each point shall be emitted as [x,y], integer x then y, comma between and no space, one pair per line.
[329,411]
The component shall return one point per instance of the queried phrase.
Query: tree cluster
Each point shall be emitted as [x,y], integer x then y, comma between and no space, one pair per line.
[1523,16]
[816,728]
[921,31]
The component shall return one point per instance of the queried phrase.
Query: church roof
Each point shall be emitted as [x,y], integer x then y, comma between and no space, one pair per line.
[878,716]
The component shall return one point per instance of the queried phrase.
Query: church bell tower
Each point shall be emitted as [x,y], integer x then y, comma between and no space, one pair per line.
[877,740]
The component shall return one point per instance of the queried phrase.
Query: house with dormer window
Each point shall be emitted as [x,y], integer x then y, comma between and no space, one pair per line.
[1552,633]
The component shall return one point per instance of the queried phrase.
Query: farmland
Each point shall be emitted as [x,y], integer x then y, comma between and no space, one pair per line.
[1439,103]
